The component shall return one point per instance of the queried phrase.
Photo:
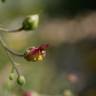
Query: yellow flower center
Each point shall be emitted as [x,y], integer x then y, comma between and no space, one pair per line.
[39,57]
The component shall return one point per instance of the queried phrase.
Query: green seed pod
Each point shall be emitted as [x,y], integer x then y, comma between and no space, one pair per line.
[30,22]
[11,76]
[21,80]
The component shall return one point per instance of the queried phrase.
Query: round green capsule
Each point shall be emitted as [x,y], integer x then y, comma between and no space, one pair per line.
[11,76]
[21,80]
[30,22]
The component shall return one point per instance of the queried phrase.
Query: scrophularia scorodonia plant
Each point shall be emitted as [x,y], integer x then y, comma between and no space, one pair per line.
[31,54]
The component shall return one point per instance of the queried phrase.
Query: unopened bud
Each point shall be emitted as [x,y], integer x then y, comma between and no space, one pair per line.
[21,80]
[11,76]
[31,22]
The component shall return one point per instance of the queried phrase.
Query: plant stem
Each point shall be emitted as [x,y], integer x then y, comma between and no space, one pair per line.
[15,30]
[10,50]
[13,63]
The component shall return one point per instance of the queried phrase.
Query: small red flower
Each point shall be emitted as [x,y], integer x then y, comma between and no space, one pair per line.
[36,53]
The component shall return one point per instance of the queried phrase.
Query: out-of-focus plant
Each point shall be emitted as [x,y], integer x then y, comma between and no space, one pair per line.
[33,53]
[3,0]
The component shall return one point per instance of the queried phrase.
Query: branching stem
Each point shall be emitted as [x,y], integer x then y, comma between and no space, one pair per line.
[13,63]
[8,50]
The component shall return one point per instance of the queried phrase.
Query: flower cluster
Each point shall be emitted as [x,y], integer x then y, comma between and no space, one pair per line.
[31,54]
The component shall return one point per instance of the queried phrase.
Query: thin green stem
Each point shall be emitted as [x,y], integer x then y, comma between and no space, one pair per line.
[13,63]
[14,30]
[10,50]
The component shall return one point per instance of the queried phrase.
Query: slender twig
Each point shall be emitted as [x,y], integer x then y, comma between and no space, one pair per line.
[14,30]
[13,63]
[10,50]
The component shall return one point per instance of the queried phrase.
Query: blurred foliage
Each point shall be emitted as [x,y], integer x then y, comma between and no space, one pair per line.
[3,0]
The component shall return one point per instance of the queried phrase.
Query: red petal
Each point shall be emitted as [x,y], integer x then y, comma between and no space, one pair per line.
[43,47]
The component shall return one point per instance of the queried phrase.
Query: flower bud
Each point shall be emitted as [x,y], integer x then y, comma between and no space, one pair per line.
[21,80]
[35,53]
[11,76]
[30,22]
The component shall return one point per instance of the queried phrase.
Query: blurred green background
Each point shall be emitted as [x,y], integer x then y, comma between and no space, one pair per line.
[69,27]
